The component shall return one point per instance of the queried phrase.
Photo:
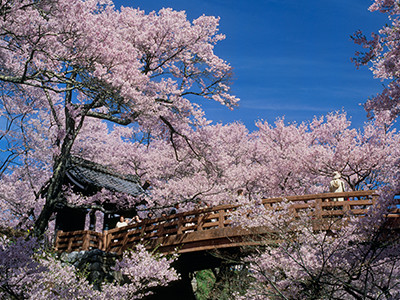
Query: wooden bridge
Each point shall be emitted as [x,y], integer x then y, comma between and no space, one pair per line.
[210,228]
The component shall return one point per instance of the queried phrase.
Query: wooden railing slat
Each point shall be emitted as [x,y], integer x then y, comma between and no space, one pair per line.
[318,208]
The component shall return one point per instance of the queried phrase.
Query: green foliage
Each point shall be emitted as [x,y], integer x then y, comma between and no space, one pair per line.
[222,283]
[205,282]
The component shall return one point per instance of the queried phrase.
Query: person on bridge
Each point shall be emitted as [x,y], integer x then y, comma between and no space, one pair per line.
[239,196]
[121,222]
[135,219]
[337,186]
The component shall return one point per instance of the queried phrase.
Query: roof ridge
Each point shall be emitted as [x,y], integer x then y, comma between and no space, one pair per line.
[104,169]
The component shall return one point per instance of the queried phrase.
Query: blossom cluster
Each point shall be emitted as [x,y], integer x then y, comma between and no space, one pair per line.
[30,272]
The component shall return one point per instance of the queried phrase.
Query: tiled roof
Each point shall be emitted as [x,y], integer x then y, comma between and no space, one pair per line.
[84,174]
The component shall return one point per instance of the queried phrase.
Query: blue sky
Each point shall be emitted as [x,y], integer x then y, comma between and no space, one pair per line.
[291,58]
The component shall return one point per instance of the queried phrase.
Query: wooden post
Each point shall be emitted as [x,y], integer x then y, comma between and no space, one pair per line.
[100,241]
[86,241]
[346,207]
[318,209]
[180,224]
[200,222]
[59,232]
[70,240]
[374,197]
[105,240]
[317,214]
[161,228]
[221,218]
[143,228]
[124,242]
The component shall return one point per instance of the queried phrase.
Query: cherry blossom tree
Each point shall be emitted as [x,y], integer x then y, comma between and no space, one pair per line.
[381,54]
[116,87]
[278,159]
[76,60]
[359,261]
[285,159]
[28,272]
[218,160]
[66,64]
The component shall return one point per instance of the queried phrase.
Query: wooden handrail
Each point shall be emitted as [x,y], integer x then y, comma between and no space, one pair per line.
[78,240]
[323,196]
[207,220]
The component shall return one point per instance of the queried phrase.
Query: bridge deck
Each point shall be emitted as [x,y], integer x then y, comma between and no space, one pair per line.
[210,228]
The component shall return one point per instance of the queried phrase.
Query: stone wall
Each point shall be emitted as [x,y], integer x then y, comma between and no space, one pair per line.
[96,264]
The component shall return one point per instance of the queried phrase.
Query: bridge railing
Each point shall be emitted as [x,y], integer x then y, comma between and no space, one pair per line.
[327,210]
[322,206]
[151,229]
[330,204]
[79,240]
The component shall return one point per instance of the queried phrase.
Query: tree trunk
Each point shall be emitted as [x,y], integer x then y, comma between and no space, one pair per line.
[54,194]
